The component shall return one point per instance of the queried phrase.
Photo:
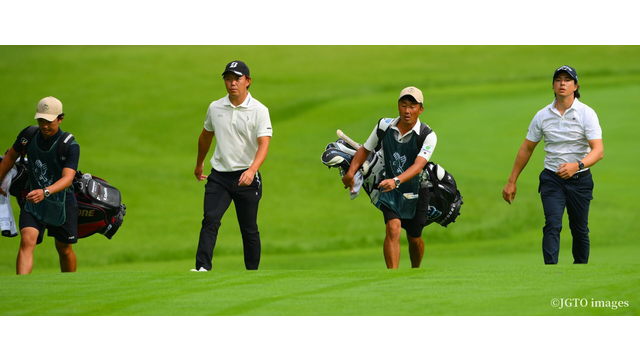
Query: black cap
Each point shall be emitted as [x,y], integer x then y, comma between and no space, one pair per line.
[237,67]
[569,70]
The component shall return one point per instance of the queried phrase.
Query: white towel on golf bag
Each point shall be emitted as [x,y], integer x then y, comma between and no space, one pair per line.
[7,221]
[357,184]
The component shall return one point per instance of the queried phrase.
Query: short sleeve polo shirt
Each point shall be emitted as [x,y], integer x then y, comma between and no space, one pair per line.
[426,150]
[566,136]
[237,129]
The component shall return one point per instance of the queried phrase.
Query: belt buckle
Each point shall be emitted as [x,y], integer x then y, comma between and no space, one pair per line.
[579,174]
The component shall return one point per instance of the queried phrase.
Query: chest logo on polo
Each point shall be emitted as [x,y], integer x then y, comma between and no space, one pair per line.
[399,162]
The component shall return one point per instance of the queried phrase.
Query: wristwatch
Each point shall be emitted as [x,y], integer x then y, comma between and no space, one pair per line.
[397,181]
[580,164]
[46,193]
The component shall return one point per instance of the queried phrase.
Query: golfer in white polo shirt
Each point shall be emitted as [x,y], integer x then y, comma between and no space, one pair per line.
[242,128]
[573,143]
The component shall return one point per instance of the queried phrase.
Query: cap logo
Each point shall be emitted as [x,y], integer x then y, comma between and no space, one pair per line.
[233,64]
[569,70]
[45,107]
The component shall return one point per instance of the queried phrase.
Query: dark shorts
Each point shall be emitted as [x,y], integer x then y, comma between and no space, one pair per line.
[412,226]
[66,233]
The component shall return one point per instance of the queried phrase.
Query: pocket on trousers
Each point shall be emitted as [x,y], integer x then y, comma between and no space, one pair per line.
[542,179]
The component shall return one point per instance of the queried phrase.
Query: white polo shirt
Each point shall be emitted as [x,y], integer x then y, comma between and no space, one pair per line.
[237,129]
[426,150]
[567,136]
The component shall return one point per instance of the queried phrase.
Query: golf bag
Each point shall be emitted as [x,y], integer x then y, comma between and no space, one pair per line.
[20,180]
[438,190]
[100,207]
[441,194]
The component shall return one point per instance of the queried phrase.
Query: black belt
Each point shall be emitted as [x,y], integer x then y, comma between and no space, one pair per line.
[580,174]
[577,175]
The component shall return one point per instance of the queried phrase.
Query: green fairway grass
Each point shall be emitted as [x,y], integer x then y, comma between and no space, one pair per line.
[472,290]
[137,111]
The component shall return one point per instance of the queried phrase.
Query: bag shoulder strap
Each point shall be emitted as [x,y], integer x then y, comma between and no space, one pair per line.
[26,135]
[63,145]
[425,130]
[381,130]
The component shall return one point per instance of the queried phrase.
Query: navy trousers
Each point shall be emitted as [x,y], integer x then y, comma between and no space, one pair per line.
[221,189]
[574,194]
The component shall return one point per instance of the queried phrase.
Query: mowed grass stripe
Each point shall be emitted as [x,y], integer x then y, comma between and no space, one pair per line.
[478,290]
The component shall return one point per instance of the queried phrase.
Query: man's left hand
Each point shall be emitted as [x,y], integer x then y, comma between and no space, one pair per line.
[567,170]
[387,185]
[35,196]
[247,178]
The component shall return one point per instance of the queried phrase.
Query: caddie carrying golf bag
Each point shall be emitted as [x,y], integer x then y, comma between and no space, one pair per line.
[100,208]
[438,194]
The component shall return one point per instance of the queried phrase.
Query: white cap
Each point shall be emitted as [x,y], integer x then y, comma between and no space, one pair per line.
[49,108]
[412,91]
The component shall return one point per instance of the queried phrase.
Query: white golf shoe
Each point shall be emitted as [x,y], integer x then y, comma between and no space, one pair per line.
[201,269]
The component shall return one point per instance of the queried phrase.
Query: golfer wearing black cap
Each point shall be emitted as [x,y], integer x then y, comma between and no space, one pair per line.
[573,143]
[242,128]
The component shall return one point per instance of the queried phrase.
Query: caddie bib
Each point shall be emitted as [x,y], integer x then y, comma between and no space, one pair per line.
[44,170]
[399,157]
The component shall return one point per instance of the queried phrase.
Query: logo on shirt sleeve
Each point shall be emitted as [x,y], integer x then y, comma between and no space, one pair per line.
[427,149]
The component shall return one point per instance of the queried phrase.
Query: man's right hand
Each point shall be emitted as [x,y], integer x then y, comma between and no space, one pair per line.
[198,173]
[347,180]
[509,192]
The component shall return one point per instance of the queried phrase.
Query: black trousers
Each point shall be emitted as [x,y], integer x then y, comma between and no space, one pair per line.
[221,189]
[575,195]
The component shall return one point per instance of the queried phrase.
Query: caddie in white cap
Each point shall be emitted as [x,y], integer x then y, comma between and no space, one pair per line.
[407,148]
[50,203]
